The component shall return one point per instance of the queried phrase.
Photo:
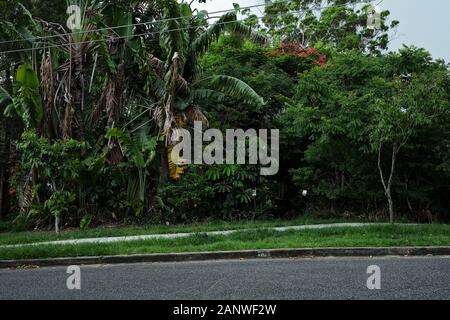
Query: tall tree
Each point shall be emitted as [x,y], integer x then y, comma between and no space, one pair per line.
[341,24]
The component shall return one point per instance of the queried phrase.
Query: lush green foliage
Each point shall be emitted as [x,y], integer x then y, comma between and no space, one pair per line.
[349,111]
[86,125]
[226,192]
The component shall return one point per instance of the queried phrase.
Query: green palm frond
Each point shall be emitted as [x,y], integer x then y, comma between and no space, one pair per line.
[203,42]
[227,23]
[5,98]
[27,102]
[173,37]
[235,88]
[6,103]
[206,94]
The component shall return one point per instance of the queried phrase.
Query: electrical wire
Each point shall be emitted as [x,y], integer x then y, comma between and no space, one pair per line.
[133,25]
[155,32]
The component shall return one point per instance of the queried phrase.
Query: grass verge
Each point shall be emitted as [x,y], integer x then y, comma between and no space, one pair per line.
[372,236]
[38,236]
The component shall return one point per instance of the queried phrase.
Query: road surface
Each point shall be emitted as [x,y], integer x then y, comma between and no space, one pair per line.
[321,278]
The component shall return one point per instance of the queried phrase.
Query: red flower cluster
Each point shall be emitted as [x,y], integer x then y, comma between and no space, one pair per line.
[289,48]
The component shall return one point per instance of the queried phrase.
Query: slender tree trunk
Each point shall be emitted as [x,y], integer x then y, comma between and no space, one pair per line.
[57,219]
[79,94]
[391,206]
[56,224]
[387,185]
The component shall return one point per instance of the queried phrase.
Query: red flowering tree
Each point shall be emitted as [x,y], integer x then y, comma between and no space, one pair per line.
[293,49]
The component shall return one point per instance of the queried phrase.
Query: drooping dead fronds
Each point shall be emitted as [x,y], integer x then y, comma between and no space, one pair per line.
[157,114]
[110,103]
[194,114]
[66,128]
[182,84]
[47,90]
[80,48]
[158,66]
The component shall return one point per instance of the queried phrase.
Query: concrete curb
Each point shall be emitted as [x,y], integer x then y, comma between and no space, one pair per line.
[229,255]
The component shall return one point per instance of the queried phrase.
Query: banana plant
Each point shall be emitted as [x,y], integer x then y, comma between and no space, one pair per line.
[140,150]
[178,86]
[26,100]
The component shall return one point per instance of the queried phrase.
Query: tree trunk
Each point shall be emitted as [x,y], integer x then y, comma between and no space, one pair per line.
[56,224]
[391,206]
[387,185]
[79,94]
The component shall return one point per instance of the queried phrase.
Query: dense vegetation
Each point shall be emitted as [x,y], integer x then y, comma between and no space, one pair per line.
[87,117]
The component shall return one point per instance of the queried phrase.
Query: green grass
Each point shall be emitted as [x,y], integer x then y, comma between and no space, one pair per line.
[376,236]
[38,236]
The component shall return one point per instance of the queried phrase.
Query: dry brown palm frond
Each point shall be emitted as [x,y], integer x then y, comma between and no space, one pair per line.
[158,66]
[180,119]
[111,99]
[66,128]
[115,155]
[112,103]
[25,192]
[195,114]
[99,109]
[119,82]
[61,99]
[182,84]
[81,49]
[47,89]
[169,125]
[176,171]
[171,93]
[157,115]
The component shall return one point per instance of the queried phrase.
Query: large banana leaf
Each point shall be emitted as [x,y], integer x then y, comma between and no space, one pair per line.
[173,37]
[235,88]
[5,98]
[203,40]
[228,22]
[206,94]
[27,102]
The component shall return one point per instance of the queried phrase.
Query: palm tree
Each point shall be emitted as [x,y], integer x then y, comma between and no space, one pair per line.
[131,70]
[178,86]
[69,91]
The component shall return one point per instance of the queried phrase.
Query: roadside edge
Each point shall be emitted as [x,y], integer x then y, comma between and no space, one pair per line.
[230,255]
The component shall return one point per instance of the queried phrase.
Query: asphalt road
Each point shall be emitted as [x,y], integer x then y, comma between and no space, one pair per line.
[324,278]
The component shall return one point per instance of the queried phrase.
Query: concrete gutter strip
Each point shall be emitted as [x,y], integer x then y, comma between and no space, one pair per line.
[230,255]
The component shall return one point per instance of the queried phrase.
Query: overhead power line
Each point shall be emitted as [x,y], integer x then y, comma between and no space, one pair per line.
[134,24]
[156,32]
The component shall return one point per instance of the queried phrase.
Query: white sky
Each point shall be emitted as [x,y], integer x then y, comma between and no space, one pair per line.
[422,23]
